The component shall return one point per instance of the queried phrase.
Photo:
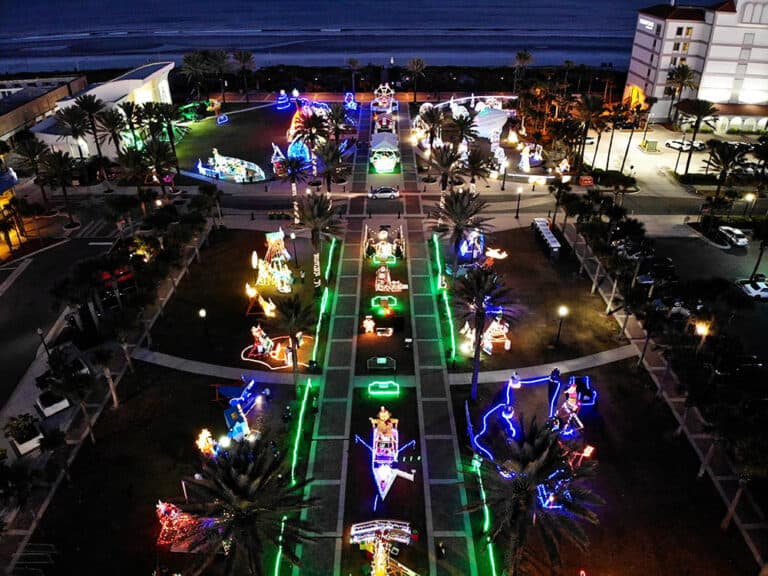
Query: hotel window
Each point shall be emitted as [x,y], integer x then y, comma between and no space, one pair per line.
[675,46]
[651,58]
[683,61]
[674,61]
[658,29]
[679,31]
[654,43]
[749,39]
[685,46]
[648,74]
[689,31]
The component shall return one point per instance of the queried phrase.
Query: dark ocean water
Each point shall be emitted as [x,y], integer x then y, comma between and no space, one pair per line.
[45,34]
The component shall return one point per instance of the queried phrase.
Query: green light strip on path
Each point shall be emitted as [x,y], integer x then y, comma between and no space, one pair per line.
[330,259]
[486,515]
[323,304]
[437,258]
[279,556]
[450,324]
[444,295]
[295,457]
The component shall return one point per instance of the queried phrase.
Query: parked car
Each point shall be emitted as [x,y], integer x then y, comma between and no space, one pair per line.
[384,192]
[746,146]
[685,145]
[590,141]
[734,235]
[657,264]
[754,288]
[633,250]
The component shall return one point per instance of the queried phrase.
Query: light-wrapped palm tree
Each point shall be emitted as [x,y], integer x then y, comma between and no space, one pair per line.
[244,501]
[477,294]
[317,214]
[457,213]
[294,317]
[538,459]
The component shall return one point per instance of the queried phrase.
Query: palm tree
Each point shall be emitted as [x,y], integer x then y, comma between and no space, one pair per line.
[111,125]
[244,501]
[6,227]
[476,294]
[219,64]
[168,116]
[448,162]
[559,189]
[650,101]
[696,112]
[522,59]
[476,165]
[465,129]
[295,171]
[56,170]
[334,162]
[195,68]
[316,214]
[91,105]
[134,166]
[294,317]
[434,120]
[617,114]
[244,59]
[589,110]
[74,123]
[160,156]
[312,130]
[679,79]
[538,459]
[416,67]
[31,153]
[131,112]
[354,65]
[572,205]
[456,214]
[724,159]
[336,120]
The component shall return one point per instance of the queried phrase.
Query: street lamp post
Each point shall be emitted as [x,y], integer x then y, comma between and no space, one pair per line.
[517,208]
[504,175]
[749,200]
[45,346]
[702,330]
[203,314]
[562,312]
[293,240]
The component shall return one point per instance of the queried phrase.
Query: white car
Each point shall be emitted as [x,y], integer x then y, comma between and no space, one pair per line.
[384,192]
[589,141]
[734,235]
[685,145]
[754,289]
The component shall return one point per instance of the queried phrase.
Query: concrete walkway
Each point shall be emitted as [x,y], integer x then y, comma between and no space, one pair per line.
[565,367]
[214,370]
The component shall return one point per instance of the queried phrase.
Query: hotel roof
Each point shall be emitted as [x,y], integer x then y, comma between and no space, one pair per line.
[667,12]
[21,97]
[142,72]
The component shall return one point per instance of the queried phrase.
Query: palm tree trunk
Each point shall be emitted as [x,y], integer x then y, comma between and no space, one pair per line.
[111,384]
[610,145]
[690,152]
[759,258]
[626,152]
[172,142]
[597,145]
[479,326]
[87,422]
[245,85]
[66,205]
[42,187]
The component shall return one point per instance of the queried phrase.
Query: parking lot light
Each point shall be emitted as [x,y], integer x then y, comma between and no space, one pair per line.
[562,312]
[702,330]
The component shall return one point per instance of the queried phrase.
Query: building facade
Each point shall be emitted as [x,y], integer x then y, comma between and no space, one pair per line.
[148,83]
[726,45]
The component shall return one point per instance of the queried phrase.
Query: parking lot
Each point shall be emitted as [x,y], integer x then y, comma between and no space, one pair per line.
[696,258]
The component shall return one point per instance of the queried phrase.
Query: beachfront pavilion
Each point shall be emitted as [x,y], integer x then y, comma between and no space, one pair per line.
[148,83]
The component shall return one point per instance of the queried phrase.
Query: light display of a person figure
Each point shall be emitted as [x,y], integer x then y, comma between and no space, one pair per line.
[525,159]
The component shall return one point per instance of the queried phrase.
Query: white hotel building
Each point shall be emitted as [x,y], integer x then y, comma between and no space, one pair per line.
[726,44]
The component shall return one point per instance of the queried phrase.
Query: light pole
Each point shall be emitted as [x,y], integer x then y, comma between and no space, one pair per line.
[504,175]
[203,314]
[293,240]
[517,208]
[749,200]
[562,312]
[45,346]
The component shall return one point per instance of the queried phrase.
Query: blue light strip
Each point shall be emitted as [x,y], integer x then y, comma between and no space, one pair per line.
[408,445]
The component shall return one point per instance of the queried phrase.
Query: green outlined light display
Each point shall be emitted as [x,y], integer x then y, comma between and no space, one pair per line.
[486,513]
[279,556]
[391,261]
[323,304]
[376,301]
[330,259]
[299,426]
[443,293]
[388,388]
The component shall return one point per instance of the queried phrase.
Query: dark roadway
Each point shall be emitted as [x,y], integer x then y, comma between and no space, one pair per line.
[28,305]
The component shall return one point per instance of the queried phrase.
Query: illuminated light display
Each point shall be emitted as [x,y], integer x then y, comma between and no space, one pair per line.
[376,537]
[473,245]
[384,282]
[385,152]
[233,169]
[349,101]
[384,246]
[385,332]
[176,527]
[496,254]
[327,273]
[299,426]
[476,462]
[222,119]
[205,443]
[323,304]
[384,388]
[272,353]
[282,102]
[384,99]
[385,451]
[273,269]
[494,334]
[369,325]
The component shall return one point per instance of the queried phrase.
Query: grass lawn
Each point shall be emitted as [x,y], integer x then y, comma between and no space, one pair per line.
[540,286]
[217,284]
[247,135]
[659,519]
[104,521]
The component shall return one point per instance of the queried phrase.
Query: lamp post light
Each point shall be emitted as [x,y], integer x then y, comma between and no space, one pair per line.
[749,200]
[562,312]
[45,346]
[504,175]
[293,240]
[517,208]
[702,330]
[203,314]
